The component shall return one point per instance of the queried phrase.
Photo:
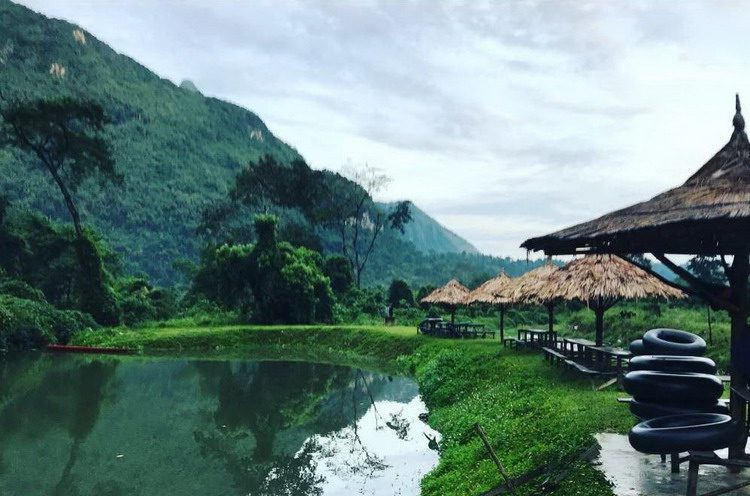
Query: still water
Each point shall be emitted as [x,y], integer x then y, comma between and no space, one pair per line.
[75,425]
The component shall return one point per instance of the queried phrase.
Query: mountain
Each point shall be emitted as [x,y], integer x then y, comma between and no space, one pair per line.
[428,235]
[177,149]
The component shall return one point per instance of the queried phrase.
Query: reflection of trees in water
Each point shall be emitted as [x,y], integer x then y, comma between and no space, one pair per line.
[265,399]
[69,397]
[282,475]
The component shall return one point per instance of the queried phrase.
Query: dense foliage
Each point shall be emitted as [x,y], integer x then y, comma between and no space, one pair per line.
[271,281]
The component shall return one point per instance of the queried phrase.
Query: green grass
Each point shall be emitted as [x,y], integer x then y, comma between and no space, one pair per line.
[533,413]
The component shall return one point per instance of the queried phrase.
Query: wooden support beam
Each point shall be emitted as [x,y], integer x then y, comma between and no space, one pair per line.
[700,287]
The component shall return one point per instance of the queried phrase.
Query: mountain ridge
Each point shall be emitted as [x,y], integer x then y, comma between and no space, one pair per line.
[178,149]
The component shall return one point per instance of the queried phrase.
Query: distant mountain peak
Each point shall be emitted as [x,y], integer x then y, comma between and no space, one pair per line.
[190,86]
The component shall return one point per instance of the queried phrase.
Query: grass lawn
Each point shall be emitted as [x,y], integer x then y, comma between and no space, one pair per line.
[533,413]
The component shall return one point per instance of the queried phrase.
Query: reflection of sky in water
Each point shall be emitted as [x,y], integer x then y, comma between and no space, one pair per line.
[387,454]
[116,426]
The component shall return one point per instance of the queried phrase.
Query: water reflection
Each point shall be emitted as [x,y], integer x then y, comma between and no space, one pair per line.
[74,425]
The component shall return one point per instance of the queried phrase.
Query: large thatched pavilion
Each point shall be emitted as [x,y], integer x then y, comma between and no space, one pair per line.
[527,289]
[601,281]
[495,292]
[708,215]
[450,297]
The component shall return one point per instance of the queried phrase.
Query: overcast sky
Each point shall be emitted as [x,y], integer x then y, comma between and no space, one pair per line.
[501,119]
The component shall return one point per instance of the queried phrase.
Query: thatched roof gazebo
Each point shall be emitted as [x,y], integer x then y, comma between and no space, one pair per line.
[527,289]
[449,297]
[707,215]
[601,281]
[495,292]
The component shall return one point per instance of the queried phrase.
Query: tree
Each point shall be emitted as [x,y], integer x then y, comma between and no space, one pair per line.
[399,291]
[277,282]
[66,137]
[358,220]
[338,270]
[341,204]
[708,269]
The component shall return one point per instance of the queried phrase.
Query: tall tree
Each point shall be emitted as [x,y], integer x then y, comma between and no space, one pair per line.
[66,138]
[340,203]
[358,220]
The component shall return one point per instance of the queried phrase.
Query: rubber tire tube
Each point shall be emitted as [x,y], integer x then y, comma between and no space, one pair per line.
[673,342]
[681,433]
[636,347]
[685,388]
[646,411]
[673,363]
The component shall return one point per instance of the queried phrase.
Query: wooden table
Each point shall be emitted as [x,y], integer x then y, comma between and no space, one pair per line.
[577,347]
[536,337]
[608,353]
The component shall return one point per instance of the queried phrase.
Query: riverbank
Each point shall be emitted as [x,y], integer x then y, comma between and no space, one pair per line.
[532,414]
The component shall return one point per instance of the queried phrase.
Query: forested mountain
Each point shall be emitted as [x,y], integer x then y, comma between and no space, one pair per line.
[177,150]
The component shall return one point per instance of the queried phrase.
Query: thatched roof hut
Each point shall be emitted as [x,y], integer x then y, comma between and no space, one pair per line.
[601,281]
[449,296]
[496,292]
[527,289]
[606,278]
[707,215]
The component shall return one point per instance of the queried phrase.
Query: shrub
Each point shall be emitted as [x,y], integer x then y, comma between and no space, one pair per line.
[28,324]
[19,289]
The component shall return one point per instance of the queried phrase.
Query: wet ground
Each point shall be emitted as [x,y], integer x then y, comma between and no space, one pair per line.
[636,474]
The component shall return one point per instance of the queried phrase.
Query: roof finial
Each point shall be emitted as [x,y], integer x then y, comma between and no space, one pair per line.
[738,121]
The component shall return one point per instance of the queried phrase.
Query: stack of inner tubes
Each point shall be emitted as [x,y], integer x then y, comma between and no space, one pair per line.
[675,395]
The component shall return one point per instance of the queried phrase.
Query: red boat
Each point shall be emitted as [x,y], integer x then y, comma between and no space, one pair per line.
[88,349]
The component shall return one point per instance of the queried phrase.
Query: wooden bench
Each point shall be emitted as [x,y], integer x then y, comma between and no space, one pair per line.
[582,368]
[512,342]
[553,356]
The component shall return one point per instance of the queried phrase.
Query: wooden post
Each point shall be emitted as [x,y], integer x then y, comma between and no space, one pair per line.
[502,322]
[599,311]
[738,279]
[692,482]
[483,435]
[551,316]
[710,334]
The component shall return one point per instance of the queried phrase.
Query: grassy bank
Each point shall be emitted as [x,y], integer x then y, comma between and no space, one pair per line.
[531,413]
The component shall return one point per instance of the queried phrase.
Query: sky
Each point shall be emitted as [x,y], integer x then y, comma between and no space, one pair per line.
[501,119]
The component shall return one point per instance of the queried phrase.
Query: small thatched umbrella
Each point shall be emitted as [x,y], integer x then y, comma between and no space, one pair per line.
[449,297]
[707,215]
[528,287]
[496,292]
[601,281]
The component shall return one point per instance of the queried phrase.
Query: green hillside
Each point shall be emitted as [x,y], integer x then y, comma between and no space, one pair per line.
[176,148]
[429,235]
[178,152]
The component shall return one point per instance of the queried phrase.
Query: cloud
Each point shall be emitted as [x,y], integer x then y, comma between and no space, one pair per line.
[504,120]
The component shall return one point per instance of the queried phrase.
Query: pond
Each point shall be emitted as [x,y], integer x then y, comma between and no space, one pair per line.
[78,425]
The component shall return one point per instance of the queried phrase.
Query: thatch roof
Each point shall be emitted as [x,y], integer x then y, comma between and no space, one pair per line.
[452,294]
[604,278]
[527,287]
[708,214]
[496,291]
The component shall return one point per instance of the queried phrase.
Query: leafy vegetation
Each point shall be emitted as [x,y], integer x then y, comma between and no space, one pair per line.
[271,281]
